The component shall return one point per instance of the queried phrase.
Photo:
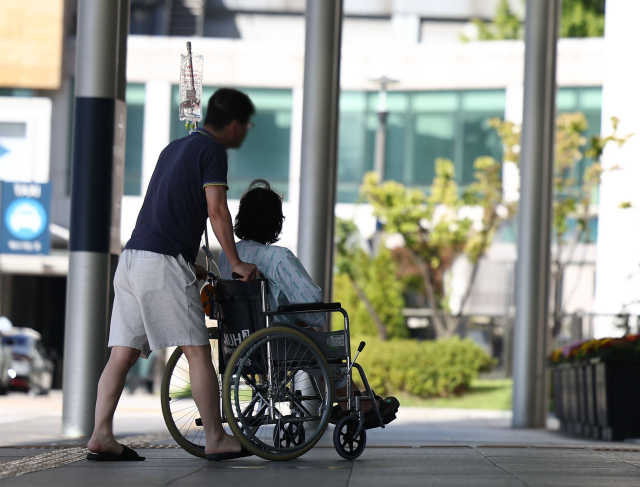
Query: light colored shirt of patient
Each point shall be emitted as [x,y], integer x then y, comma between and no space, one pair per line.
[289,282]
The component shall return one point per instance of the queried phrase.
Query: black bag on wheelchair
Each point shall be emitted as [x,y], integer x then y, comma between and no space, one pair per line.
[239,309]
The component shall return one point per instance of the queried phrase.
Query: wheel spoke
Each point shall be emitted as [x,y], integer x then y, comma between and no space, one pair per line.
[181,416]
[290,355]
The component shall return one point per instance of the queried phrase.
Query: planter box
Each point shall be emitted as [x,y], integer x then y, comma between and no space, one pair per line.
[618,398]
[591,415]
[600,399]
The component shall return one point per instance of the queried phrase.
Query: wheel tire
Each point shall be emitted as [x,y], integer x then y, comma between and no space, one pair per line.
[346,445]
[255,340]
[168,388]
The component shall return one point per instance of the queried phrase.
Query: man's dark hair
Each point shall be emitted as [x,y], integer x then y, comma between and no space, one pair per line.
[260,215]
[227,105]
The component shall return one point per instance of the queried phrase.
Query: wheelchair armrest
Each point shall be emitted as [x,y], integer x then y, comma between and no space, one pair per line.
[302,307]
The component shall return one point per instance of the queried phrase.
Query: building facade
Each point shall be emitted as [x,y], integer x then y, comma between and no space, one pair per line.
[446,91]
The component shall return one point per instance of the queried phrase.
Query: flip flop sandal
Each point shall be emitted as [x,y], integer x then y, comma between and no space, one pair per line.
[127,455]
[232,455]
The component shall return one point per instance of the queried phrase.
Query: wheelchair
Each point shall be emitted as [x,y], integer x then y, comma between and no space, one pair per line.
[277,380]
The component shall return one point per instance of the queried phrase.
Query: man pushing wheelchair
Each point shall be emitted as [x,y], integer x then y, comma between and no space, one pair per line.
[157,300]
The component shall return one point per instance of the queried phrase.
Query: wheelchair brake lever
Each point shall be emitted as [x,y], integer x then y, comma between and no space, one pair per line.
[360,349]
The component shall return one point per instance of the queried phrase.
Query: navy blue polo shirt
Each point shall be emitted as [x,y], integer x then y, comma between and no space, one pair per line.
[174,214]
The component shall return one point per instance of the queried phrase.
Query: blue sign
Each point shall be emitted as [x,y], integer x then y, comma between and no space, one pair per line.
[25,218]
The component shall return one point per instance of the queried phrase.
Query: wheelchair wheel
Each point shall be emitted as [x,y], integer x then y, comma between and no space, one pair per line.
[346,443]
[179,410]
[281,418]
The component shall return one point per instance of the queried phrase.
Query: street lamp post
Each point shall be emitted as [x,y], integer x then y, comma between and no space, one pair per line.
[380,154]
[381,132]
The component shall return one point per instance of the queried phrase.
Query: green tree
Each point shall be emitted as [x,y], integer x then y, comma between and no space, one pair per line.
[580,18]
[368,285]
[436,229]
[505,26]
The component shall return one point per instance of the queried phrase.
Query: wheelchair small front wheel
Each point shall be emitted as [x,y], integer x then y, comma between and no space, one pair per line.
[346,443]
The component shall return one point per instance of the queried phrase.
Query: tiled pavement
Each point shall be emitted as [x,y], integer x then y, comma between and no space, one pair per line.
[423,447]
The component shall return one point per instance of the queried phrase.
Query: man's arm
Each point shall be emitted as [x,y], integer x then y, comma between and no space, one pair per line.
[220,219]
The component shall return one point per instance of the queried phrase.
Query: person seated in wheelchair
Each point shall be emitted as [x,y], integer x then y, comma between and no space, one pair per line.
[258,225]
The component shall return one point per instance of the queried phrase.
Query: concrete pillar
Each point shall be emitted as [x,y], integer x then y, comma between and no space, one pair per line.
[320,139]
[91,211]
[535,214]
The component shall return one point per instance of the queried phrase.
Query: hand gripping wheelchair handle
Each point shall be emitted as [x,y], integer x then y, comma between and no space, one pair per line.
[235,275]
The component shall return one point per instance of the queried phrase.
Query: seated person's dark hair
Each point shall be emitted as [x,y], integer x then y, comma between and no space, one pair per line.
[227,105]
[260,215]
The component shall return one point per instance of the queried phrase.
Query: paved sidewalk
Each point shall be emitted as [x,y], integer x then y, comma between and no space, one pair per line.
[25,419]
[422,447]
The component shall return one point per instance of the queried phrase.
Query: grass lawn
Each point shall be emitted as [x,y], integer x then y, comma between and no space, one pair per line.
[484,394]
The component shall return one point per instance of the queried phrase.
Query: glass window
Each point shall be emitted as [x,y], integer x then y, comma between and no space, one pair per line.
[148,17]
[421,127]
[25,92]
[508,231]
[433,137]
[398,155]
[265,152]
[135,97]
[567,100]
[356,135]
[478,138]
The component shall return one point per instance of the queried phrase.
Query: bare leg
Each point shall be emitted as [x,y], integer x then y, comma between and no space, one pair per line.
[206,394]
[109,391]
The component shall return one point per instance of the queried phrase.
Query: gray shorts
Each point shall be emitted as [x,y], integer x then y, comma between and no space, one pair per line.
[157,303]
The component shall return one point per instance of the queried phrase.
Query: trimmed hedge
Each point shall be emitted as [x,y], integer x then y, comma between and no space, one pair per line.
[442,367]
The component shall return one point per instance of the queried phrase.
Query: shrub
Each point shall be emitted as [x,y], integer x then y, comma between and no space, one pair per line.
[379,282]
[421,368]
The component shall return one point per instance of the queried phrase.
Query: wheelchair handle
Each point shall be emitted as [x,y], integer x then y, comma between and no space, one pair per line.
[235,275]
